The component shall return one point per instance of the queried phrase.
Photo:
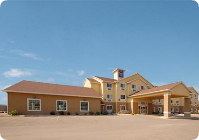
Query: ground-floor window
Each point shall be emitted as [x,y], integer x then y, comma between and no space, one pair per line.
[109,107]
[191,110]
[196,110]
[122,107]
[172,110]
[61,105]
[84,106]
[154,110]
[177,110]
[34,104]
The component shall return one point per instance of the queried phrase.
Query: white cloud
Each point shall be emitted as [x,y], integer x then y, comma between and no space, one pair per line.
[3,96]
[17,73]
[28,55]
[81,72]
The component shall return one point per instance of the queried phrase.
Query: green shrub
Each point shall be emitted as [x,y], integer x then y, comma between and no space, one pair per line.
[61,113]
[77,113]
[97,113]
[52,113]
[68,113]
[14,113]
[91,113]
[105,113]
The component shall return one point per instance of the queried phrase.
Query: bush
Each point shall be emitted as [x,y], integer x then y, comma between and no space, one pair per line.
[119,112]
[105,113]
[97,113]
[76,113]
[132,113]
[61,113]
[91,113]
[52,113]
[68,113]
[14,113]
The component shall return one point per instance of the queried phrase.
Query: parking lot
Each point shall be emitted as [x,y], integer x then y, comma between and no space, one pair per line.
[116,127]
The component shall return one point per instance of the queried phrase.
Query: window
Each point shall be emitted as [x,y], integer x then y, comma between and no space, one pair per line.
[195,103]
[191,102]
[134,88]
[160,101]
[153,101]
[191,110]
[109,107]
[84,106]
[196,110]
[109,97]
[122,107]
[171,101]
[122,97]
[142,87]
[109,86]
[196,96]
[177,110]
[61,105]
[191,95]
[34,104]
[122,86]
[177,102]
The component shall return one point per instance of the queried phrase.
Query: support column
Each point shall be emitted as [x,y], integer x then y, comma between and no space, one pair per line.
[134,107]
[187,112]
[167,105]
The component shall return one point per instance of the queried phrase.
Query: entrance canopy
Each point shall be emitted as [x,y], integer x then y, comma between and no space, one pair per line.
[176,90]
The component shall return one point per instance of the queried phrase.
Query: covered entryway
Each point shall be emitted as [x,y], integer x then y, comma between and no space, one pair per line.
[166,92]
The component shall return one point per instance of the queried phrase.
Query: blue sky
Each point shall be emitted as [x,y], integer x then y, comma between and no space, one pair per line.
[65,41]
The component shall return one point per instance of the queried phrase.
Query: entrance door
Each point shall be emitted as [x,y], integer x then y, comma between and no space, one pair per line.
[143,108]
[122,107]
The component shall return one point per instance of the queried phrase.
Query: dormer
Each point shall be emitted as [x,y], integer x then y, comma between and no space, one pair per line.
[118,74]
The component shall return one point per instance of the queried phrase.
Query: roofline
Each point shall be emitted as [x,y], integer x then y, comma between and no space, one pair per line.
[150,92]
[137,79]
[48,94]
[103,80]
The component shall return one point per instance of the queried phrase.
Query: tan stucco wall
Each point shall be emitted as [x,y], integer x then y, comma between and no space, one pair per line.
[18,101]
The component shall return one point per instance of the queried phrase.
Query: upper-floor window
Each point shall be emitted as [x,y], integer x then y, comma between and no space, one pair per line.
[148,87]
[122,97]
[134,88]
[109,86]
[171,101]
[109,97]
[195,103]
[191,95]
[196,97]
[160,101]
[142,87]
[122,86]
[177,102]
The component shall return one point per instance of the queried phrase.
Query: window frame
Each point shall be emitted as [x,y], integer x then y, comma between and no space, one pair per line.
[84,110]
[109,98]
[135,87]
[121,106]
[143,87]
[28,99]
[109,87]
[122,88]
[124,97]
[108,106]
[66,105]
